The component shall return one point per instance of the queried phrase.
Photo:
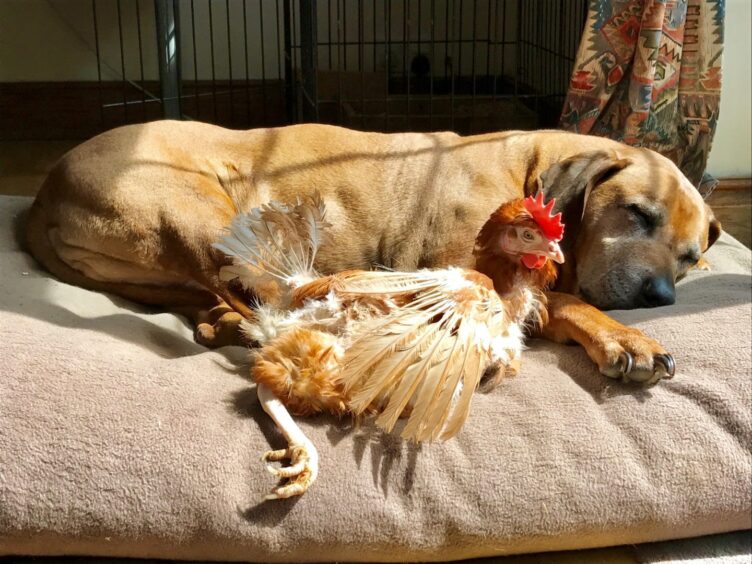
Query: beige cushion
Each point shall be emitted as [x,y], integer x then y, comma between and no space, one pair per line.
[120,436]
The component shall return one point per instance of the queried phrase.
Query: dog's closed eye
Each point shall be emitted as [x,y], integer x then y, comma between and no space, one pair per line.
[691,257]
[648,219]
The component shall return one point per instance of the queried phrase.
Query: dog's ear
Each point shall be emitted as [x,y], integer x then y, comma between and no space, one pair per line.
[714,228]
[572,180]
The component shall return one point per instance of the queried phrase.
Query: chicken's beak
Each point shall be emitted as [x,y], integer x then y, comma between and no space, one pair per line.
[553,251]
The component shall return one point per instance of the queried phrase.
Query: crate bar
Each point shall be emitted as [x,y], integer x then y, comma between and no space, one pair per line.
[329,31]
[541,41]
[405,42]
[496,40]
[536,50]
[460,37]
[263,61]
[195,59]
[431,66]
[465,97]
[361,64]
[446,38]
[245,61]
[552,39]
[229,58]
[295,38]
[563,48]
[452,73]
[545,39]
[388,58]
[99,61]
[490,47]
[524,51]
[167,15]
[340,47]
[280,58]
[344,32]
[503,39]
[213,69]
[518,50]
[309,59]
[366,43]
[122,61]
[373,16]
[289,78]
[475,31]
[141,59]
[530,22]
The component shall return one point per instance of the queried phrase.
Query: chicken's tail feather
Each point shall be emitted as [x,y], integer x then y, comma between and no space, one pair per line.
[273,247]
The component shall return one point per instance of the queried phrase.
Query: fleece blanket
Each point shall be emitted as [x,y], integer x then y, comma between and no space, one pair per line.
[120,436]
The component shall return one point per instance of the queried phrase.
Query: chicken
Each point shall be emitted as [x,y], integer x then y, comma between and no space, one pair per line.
[383,343]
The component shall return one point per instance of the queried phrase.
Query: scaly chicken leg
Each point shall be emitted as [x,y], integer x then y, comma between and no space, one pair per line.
[304,457]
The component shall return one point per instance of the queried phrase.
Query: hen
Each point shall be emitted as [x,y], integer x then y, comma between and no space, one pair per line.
[383,343]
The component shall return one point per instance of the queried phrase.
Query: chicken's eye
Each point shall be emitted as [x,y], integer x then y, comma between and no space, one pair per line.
[528,235]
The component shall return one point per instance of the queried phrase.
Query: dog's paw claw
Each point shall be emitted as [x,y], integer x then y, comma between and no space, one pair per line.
[626,363]
[633,357]
[668,363]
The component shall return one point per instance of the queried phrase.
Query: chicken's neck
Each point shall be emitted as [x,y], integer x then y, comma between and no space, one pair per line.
[509,274]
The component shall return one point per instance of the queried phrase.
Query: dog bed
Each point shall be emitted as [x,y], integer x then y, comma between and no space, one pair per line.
[120,436]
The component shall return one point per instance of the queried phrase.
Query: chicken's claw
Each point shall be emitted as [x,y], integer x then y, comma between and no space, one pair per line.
[303,469]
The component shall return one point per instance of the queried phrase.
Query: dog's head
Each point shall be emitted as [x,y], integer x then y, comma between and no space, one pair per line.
[635,225]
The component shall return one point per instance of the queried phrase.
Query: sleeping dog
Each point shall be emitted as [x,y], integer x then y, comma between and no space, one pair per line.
[135,211]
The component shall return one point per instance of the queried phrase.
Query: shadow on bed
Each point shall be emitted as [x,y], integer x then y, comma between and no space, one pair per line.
[34,302]
[386,451]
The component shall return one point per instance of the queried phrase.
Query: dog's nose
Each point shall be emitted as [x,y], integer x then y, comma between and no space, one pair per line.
[658,291]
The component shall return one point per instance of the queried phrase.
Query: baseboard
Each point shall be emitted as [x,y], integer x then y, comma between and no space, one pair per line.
[79,110]
[734,184]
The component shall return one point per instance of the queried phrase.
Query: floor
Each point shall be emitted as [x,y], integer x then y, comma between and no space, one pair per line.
[24,164]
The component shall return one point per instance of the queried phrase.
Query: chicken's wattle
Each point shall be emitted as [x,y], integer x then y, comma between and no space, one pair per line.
[534,262]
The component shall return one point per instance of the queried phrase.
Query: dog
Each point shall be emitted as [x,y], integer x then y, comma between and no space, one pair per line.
[134,211]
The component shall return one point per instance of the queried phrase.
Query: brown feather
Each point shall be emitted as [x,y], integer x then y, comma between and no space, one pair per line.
[301,367]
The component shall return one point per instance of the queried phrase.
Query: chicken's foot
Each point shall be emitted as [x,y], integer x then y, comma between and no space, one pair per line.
[304,459]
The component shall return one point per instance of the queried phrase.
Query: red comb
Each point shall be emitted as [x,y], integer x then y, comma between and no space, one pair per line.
[551,225]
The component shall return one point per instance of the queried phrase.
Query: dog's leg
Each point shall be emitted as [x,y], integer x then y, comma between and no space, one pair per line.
[303,456]
[219,327]
[216,325]
[618,350]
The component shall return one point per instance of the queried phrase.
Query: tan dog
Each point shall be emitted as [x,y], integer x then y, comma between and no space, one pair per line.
[135,211]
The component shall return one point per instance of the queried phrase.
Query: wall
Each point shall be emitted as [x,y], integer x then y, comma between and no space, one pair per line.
[731,154]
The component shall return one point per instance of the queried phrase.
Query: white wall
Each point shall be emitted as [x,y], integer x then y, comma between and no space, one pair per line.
[57,42]
[731,153]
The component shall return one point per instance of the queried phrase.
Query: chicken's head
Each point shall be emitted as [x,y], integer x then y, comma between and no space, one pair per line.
[526,229]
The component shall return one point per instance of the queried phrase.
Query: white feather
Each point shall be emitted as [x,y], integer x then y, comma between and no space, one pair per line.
[274,245]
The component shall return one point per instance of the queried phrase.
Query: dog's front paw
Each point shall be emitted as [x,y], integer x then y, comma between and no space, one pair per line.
[223,331]
[631,355]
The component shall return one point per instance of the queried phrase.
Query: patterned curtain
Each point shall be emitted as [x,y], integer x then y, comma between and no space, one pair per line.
[648,73]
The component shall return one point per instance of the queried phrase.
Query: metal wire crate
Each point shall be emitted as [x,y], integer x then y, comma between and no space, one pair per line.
[387,65]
